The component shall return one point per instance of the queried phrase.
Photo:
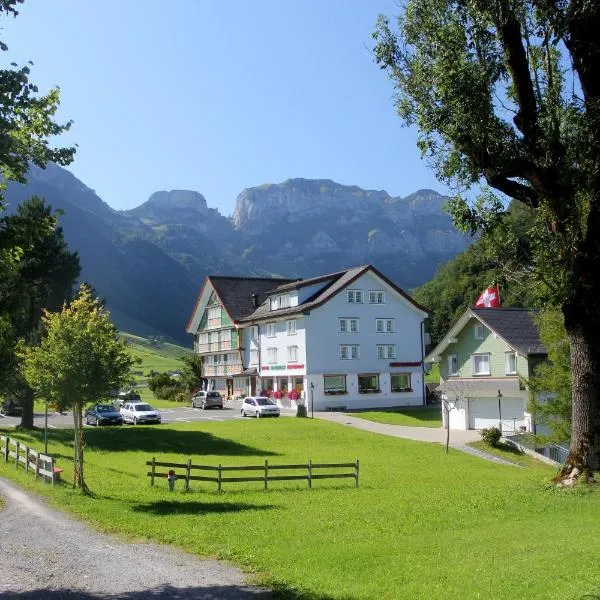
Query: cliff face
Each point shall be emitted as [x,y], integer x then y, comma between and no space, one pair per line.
[148,262]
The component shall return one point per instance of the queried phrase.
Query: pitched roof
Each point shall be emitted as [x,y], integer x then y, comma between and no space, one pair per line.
[236,293]
[515,325]
[337,282]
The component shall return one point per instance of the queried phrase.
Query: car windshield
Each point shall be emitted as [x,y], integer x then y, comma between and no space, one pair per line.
[264,402]
[213,395]
[105,408]
[142,407]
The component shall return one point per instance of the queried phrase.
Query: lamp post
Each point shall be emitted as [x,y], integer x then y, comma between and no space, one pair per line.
[312,400]
[500,411]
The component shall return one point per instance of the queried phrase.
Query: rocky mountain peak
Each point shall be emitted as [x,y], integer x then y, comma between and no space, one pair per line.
[179,199]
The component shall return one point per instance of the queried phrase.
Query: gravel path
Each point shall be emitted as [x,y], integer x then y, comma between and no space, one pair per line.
[47,555]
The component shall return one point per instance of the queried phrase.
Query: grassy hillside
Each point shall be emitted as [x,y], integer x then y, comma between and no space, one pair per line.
[161,358]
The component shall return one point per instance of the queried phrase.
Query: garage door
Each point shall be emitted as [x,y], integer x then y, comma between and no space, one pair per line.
[483,413]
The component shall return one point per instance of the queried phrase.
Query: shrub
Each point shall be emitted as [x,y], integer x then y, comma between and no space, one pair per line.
[163,380]
[167,392]
[181,397]
[491,436]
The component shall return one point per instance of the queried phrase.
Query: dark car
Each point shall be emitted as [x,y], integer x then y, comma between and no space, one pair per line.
[10,408]
[205,400]
[103,414]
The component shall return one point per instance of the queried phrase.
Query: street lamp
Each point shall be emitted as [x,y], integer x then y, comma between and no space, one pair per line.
[312,400]
[500,411]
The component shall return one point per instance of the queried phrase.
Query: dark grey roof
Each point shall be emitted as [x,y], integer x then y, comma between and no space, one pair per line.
[334,283]
[515,325]
[247,372]
[236,292]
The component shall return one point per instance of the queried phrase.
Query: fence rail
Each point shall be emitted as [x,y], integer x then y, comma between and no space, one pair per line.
[32,460]
[265,469]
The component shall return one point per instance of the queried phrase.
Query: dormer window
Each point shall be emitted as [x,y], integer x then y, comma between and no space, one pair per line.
[278,302]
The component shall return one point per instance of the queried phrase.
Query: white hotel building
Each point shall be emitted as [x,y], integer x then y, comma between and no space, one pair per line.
[346,340]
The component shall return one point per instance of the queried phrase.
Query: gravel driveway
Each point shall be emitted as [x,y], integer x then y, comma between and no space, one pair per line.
[47,555]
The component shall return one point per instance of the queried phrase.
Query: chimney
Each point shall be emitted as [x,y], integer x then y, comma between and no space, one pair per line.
[255,300]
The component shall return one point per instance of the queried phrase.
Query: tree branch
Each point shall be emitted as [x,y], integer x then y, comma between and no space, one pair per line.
[514,189]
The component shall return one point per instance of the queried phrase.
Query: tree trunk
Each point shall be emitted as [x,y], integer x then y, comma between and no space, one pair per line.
[27,404]
[584,451]
[78,476]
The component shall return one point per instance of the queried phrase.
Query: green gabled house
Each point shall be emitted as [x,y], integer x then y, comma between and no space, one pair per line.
[485,360]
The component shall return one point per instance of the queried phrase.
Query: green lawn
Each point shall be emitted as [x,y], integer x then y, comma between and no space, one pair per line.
[422,525]
[507,452]
[429,416]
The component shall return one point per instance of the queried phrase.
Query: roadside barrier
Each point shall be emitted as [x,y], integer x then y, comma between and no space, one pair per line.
[32,460]
[265,477]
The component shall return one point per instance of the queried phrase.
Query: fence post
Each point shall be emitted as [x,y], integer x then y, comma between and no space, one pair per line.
[266,473]
[188,469]
[37,465]
[26,459]
[219,478]
[17,455]
[356,476]
[310,473]
[153,470]
[52,470]
[6,449]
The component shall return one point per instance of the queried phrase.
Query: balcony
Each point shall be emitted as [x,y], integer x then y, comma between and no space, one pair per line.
[228,369]
[214,347]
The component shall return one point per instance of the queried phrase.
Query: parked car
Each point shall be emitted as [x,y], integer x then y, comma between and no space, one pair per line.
[10,408]
[206,400]
[139,413]
[259,406]
[103,414]
[129,396]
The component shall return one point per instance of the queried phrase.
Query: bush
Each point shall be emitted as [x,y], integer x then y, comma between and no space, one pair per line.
[167,392]
[163,380]
[181,397]
[491,436]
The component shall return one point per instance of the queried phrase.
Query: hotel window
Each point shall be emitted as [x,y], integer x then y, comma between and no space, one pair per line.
[386,351]
[376,297]
[478,331]
[368,383]
[348,325]
[452,364]
[481,364]
[349,352]
[384,325]
[511,363]
[334,384]
[292,353]
[355,296]
[400,382]
[214,316]
[291,326]
[253,357]
[272,355]
[270,329]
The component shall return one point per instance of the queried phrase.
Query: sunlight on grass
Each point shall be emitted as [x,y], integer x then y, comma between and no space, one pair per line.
[421,524]
[413,417]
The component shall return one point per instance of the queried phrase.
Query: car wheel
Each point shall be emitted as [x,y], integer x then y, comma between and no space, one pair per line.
[135,420]
[257,415]
[203,405]
[243,413]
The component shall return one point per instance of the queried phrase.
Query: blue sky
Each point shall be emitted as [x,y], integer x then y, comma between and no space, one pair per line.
[218,95]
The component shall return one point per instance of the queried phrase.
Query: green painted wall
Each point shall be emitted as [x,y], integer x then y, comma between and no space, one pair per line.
[467,345]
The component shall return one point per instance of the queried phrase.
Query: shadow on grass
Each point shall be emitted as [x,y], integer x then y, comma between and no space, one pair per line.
[209,592]
[171,507]
[156,440]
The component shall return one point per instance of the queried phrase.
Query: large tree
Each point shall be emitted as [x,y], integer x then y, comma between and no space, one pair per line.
[43,276]
[506,98]
[79,361]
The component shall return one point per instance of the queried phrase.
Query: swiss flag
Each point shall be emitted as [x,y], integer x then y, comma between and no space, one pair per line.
[490,298]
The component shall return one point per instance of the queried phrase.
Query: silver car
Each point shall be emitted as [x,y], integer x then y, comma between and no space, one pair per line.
[259,406]
[206,400]
[139,412]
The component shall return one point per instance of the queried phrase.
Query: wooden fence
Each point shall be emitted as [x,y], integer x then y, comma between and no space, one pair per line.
[265,472]
[32,460]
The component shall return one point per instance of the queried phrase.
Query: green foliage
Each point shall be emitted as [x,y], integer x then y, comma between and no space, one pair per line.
[491,436]
[430,416]
[167,392]
[550,387]
[162,380]
[192,371]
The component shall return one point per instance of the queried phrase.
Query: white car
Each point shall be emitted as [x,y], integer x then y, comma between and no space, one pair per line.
[259,406]
[139,413]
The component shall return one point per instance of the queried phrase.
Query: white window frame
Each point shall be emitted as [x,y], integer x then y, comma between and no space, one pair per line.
[385,325]
[349,352]
[482,355]
[349,325]
[376,297]
[274,302]
[290,326]
[507,357]
[386,351]
[403,390]
[214,316]
[478,332]
[253,357]
[284,301]
[254,332]
[292,354]
[272,355]
[337,389]
[354,296]
[271,329]
[452,358]
[343,325]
